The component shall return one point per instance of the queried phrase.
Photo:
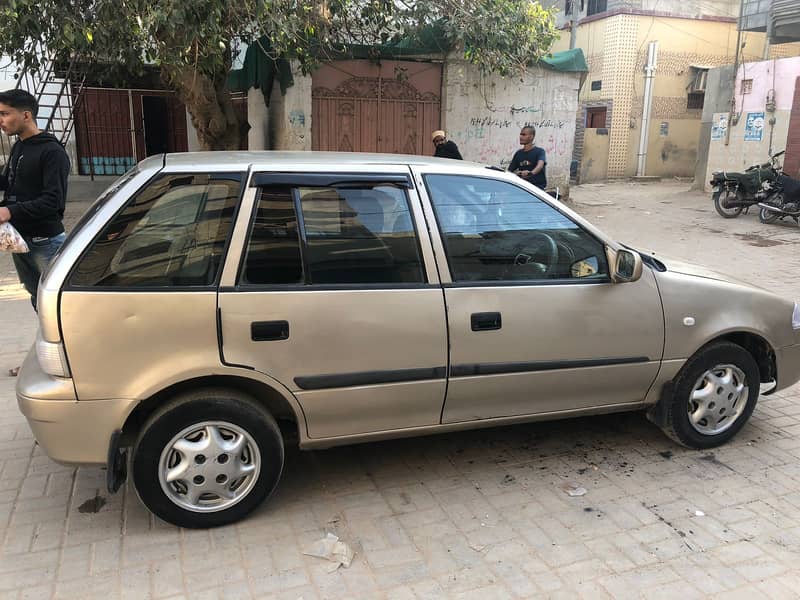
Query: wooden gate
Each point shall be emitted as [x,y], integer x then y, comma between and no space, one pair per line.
[361,106]
[791,162]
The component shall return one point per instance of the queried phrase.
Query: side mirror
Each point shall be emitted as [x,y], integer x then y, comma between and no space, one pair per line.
[625,265]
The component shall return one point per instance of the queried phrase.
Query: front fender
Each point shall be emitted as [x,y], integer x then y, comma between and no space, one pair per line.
[698,310]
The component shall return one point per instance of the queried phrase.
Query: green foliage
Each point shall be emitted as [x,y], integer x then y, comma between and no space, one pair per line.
[499,35]
[192,41]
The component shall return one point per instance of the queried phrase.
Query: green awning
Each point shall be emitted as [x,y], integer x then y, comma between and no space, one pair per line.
[569,60]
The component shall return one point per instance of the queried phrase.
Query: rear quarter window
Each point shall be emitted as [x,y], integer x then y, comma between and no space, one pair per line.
[172,233]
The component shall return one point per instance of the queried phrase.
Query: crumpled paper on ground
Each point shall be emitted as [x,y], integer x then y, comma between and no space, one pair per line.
[332,549]
[573,489]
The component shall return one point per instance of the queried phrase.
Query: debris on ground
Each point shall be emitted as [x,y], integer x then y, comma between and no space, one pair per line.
[573,489]
[92,505]
[330,548]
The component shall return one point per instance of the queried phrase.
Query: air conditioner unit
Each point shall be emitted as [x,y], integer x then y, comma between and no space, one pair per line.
[699,79]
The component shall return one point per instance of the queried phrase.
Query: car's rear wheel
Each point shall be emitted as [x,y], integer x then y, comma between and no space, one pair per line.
[723,200]
[208,458]
[713,396]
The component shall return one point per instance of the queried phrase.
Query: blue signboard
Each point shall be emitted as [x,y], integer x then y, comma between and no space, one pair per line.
[754,127]
[718,126]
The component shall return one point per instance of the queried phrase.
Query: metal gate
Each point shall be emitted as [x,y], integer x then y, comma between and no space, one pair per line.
[116,128]
[362,106]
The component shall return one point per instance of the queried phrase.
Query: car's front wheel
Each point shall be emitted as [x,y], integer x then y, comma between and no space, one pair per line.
[207,458]
[713,396]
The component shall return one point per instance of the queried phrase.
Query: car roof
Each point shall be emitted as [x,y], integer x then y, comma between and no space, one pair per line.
[240,159]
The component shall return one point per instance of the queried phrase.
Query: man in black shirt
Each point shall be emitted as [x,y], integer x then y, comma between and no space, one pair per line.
[445,148]
[35,182]
[530,161]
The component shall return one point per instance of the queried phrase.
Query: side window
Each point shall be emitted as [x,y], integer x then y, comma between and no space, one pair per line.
[359,236]
[273,250]
[496,231]
[171,234]
[349,235]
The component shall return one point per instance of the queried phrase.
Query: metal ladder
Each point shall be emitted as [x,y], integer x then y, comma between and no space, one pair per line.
[58,98]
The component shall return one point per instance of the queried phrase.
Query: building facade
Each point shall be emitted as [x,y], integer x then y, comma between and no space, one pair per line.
[394,105]
[640,109]
[765,120]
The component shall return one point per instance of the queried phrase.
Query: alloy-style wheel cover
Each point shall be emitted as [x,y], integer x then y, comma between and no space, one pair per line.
[209,466]
[718,399]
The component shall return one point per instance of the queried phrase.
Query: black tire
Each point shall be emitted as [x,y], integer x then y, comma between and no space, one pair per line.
[768,216]
[677,424]
[216,407]
[720,200]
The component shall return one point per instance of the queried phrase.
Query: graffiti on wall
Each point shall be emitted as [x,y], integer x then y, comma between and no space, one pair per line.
[493,140]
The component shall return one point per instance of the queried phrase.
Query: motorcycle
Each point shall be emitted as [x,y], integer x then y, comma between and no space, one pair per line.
[735,192]
[786,203]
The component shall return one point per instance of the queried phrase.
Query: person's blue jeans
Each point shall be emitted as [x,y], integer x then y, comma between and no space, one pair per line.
[30,265]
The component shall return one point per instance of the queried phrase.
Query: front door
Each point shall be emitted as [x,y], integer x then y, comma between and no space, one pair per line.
[536,325]
[337,298]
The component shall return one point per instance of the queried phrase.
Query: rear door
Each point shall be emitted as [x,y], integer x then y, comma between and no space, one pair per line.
[336,296]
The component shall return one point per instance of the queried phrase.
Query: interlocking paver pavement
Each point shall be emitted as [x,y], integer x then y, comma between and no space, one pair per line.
[468,515]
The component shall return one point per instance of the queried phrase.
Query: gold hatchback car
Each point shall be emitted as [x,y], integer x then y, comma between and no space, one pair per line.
[211,306]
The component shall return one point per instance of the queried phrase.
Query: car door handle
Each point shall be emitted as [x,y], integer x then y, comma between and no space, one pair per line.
[268,331]
[486,321]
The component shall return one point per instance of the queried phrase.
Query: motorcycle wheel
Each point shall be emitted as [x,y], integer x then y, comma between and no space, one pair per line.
[721,200]
[768,216]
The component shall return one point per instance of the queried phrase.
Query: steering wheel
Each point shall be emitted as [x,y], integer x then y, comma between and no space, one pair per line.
[538,249]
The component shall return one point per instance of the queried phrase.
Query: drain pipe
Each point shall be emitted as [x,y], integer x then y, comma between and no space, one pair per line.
[649,76]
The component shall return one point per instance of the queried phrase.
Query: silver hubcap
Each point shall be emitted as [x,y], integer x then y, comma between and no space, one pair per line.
[718,399]
[209,466]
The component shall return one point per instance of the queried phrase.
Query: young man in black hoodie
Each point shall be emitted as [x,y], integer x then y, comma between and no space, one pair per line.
[35,184]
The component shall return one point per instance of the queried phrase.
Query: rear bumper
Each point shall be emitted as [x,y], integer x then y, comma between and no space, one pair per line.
[787,361]
[69,431]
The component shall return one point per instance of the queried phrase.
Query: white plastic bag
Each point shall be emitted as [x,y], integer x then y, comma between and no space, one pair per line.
[332,549]
[11,240]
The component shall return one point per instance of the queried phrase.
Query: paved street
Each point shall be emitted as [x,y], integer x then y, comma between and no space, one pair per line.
[480,514]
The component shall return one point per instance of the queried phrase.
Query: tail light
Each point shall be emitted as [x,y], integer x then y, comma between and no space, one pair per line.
[52,358]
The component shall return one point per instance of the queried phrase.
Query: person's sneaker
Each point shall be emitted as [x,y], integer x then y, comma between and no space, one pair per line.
[13,372]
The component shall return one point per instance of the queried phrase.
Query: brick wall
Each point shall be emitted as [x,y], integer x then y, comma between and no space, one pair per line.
[791,163]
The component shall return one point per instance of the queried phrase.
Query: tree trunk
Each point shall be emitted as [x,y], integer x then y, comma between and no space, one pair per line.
[210,107]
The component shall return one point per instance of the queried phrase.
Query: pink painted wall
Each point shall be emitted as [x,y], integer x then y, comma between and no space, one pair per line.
[786,71]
